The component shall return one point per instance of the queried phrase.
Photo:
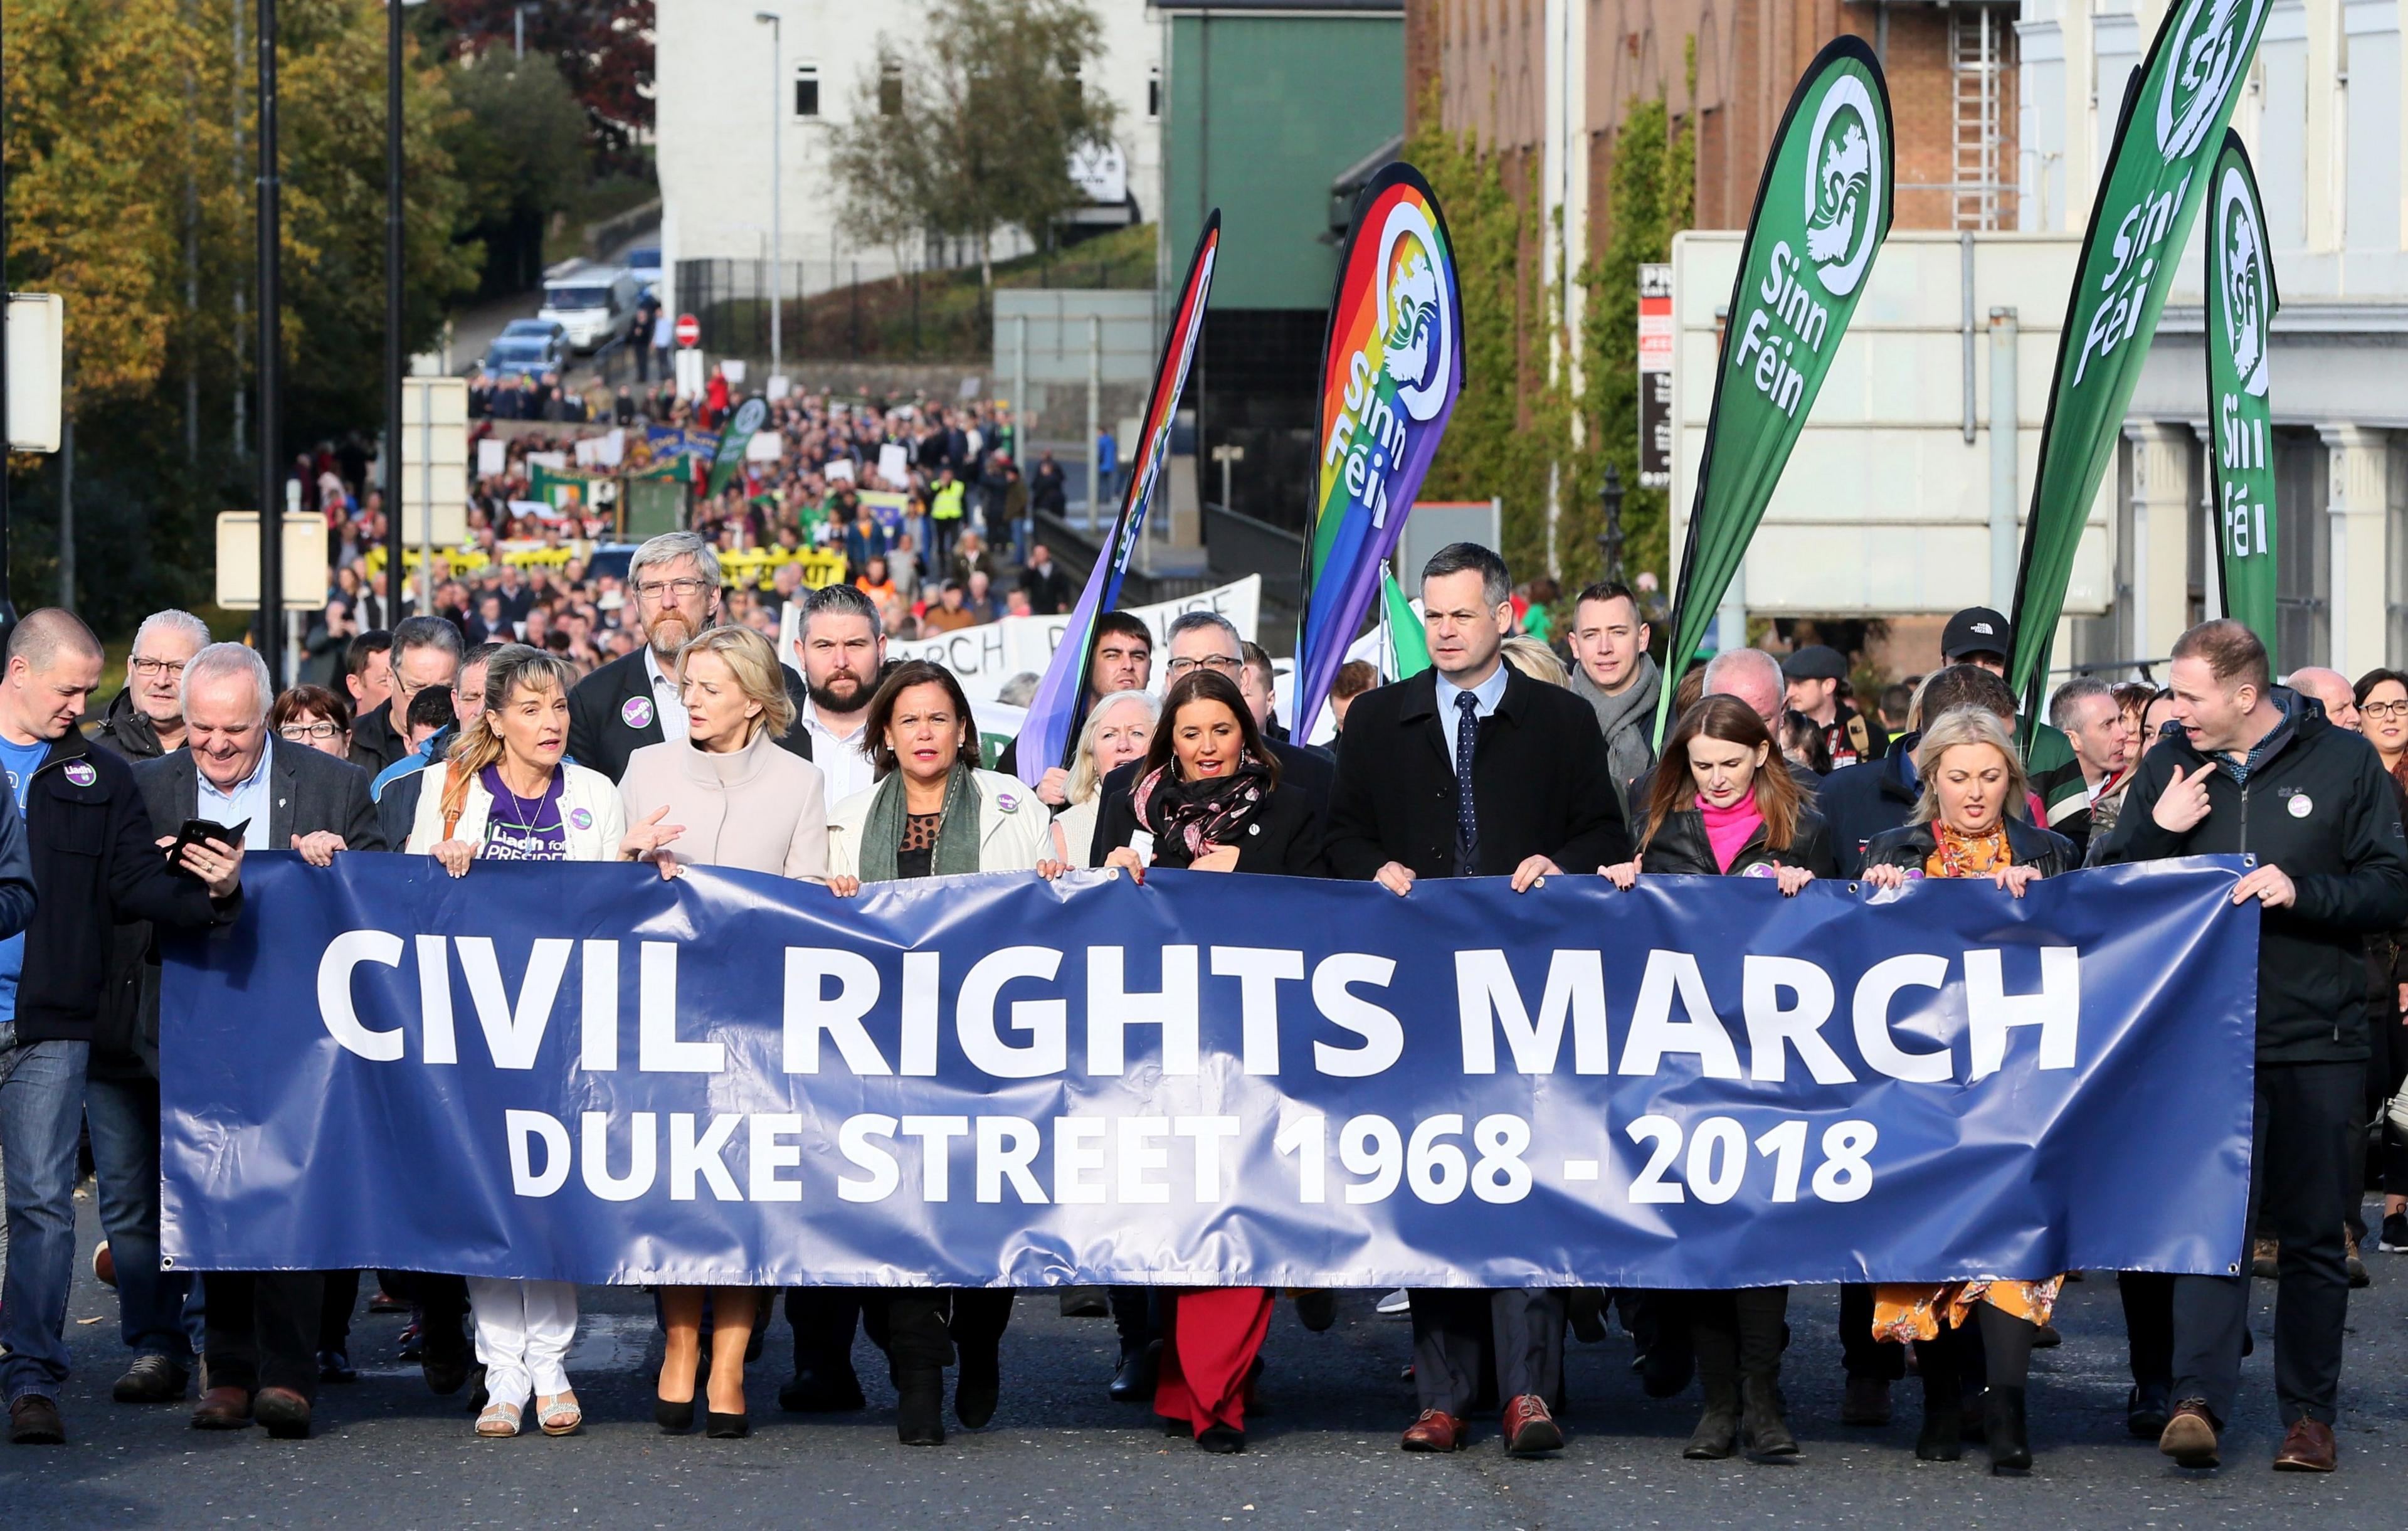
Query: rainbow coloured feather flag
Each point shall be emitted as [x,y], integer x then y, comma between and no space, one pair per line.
[1059,709]
[1391,370]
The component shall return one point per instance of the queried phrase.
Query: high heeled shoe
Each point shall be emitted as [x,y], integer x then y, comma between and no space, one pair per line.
[719,1426]
[674,1417]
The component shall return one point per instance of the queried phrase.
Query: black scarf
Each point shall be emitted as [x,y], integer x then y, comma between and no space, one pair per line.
[1201,814]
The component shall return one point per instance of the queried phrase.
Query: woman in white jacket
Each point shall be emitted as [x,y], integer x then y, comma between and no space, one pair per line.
[934,813]
[505,794]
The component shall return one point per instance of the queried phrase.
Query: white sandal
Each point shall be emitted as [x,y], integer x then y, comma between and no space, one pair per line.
[559,1414]
[500,1422]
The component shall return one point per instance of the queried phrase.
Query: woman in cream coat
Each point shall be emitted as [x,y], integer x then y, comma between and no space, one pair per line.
[724,796]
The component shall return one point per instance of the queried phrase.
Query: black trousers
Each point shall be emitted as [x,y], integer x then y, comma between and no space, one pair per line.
[334,1311]
[1860,1354]
[261,1328]
[1451,1329]
[2306,1167]
[2149,1325]
[924,1324]
[2386,1064]
[1738,1333]
[823,1319]
[1137,1314]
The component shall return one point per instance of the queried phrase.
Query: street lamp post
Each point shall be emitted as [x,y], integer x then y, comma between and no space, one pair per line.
[393,342]
[1609,537]
[271,382]
[776,188]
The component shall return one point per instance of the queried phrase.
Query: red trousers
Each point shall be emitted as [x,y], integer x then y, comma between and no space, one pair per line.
[1209,1339]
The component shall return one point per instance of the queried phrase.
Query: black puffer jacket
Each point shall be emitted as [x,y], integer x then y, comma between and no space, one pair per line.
[1911,846]
[1681,845]
[2320,807]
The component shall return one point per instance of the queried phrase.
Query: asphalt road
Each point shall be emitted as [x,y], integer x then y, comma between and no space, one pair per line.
[1323,1454]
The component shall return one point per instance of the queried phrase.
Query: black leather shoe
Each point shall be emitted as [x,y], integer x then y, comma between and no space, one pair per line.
[674,1416]
[2146,1408]
[1221,1439]
[285,1412]
[718,1426]
[336,1366]
[818,1392]
[1134,1382]
[33,1421]
[2002,1427]
[152,1380]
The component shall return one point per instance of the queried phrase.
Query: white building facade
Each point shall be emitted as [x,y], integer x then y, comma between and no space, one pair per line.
[2323,119]
[719,82]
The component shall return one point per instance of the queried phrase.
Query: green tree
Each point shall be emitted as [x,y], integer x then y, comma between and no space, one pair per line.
[967,125]
[519,142]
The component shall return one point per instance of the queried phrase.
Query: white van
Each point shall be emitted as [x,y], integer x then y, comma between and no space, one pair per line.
[594,307]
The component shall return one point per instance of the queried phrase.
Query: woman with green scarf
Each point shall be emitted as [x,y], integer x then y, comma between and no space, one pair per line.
[934,813]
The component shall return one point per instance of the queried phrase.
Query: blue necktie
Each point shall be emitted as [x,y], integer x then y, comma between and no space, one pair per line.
[1466,822]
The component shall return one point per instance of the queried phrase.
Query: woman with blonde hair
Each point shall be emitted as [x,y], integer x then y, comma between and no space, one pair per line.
[1534,659]
[1724,804]
[505,793]
[1118,729]
[1968,822]
[725,794]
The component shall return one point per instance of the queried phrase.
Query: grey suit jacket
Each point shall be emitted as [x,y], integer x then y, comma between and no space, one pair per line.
[308,792]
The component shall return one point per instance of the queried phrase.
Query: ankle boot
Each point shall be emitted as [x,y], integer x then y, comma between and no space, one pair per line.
[1718,1432]
[920,1406]
[2002,1423]
[1761,1426]
[1939,1440]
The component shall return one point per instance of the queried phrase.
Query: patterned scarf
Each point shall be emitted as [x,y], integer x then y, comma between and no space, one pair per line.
[957,832]
[1204,813]
[1955,854]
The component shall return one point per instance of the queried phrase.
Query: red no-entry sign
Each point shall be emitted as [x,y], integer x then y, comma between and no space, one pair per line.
[689,331]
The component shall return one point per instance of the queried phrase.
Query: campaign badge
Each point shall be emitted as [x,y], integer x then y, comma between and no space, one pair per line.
[582,818]
[638,712]
[82,774]
[2302,804]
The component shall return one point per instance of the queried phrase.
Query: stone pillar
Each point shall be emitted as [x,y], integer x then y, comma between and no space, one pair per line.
[2163,498]
[2358,521]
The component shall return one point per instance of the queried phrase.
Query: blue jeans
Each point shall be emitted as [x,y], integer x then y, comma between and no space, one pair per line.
[123,1114]
[41,1103]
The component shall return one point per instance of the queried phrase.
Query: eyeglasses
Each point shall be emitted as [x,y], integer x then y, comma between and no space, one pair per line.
[150,669]
[661,590]
[2383,710]
[1219,662]
[302,732]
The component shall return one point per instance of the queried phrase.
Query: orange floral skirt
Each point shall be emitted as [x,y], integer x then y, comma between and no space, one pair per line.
[1913,1311]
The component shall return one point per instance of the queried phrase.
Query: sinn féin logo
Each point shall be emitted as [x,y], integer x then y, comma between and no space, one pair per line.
[2209,47]
[1417,339]
[2245,297]
[1843,191]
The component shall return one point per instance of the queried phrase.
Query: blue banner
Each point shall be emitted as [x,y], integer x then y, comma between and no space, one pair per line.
[585,1073]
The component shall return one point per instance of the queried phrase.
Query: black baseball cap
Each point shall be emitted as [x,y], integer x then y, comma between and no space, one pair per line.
[1815,662]
[1976,630]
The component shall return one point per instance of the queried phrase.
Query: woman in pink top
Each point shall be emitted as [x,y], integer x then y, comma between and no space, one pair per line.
[1723,804]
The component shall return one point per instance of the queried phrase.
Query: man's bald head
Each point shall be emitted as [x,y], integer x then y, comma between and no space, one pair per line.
[41,637]
[1754,677]
[2331,690]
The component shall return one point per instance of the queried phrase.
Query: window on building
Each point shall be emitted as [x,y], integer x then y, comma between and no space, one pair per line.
[1154,92]
[807,90]
[2302,548]
[890,90]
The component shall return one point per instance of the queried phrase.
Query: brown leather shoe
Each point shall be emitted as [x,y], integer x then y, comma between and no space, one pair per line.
[223,1409]
[1436,1430]
[2189,1435]
[285,1412]
[1529,1429]
[2308,1448]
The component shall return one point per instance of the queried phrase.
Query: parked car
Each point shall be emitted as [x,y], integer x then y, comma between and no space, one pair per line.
[595,305]
[547,328]
[532,354]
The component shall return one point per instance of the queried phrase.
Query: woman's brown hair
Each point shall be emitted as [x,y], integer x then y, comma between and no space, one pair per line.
[1201,685]
[1732,722]
[310,703]
[916,672]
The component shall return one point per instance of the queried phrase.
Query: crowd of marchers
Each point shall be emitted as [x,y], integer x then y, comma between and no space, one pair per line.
[705,745]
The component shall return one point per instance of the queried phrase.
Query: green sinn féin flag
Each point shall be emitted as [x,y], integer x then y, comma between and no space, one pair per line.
[2176,107]
[2241,304]
[1822,212]
[1408,645]
[749,419]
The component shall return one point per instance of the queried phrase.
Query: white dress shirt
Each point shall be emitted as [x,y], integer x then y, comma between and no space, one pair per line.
[1487,695]
[248,800]
[843,765]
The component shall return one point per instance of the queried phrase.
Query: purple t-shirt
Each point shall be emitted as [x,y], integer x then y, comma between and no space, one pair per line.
[524,828]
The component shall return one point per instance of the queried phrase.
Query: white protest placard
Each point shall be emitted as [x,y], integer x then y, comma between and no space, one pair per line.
[557,461]
[894,465]
[493,457]
[779,386]
[583,448]
[985,656]
[763,447]
[733,371]
[612,449]
[840,467]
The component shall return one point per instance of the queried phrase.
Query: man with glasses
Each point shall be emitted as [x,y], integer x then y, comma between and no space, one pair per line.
[146,719]
[426,652]
[675,581]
